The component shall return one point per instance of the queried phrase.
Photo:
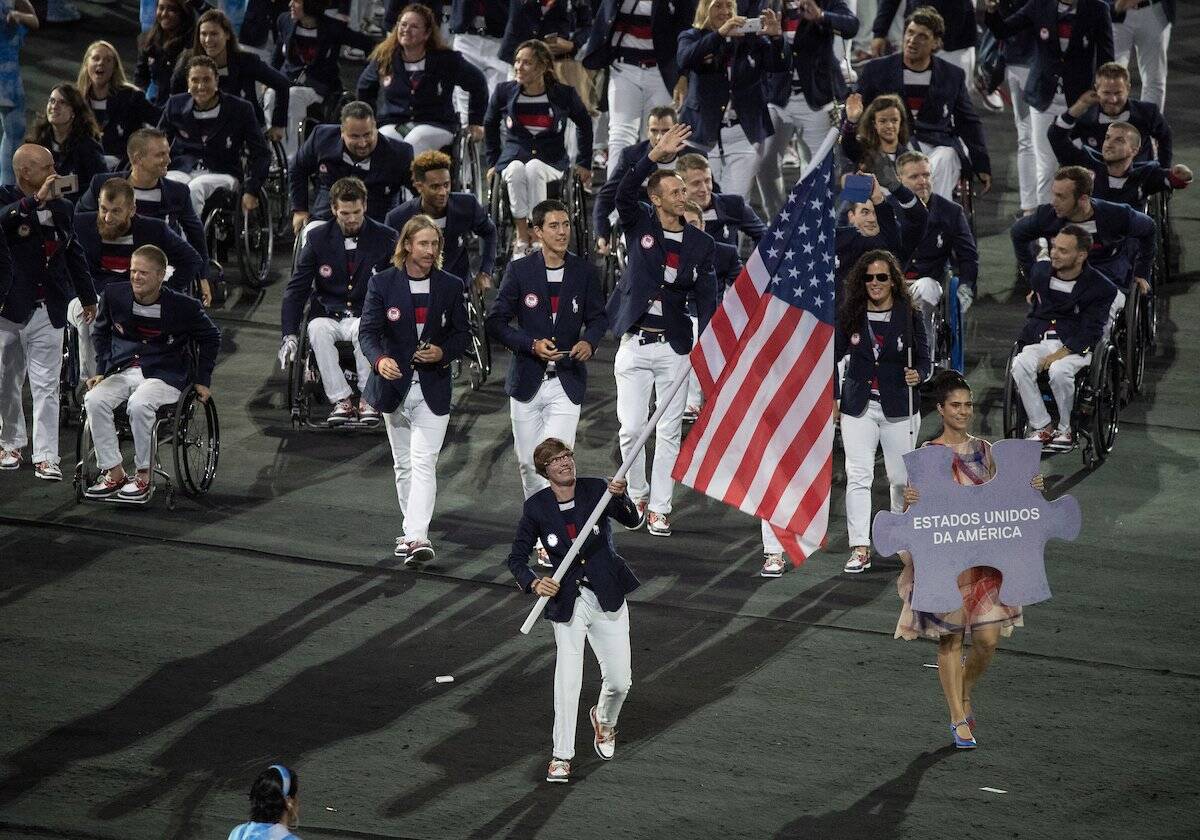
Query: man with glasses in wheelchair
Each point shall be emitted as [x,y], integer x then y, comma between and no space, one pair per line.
[355,148]
[143,335]
[1070,307]
[331,275]
[210,131]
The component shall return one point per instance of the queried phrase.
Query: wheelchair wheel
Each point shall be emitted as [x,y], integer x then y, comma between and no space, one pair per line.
[1105,382]
[1133,347]
[196,443]
[219,236]
[480,351]
[966,198]
[276,188]
[468,167]
[299,394]
[501,213]
[1014,410]
[256,242]
[581,221]
[86,471]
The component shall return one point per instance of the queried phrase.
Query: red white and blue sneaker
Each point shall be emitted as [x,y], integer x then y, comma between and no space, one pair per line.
[106,487]
[136,489]
[558,771]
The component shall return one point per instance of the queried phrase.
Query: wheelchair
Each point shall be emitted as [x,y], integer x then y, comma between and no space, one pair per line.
[191,428]
[276,188]
[568,189]
[305,386]
[1096,412]
[228,227]
[466,165]
[478,361]
[70,399]
[964,194]
[614,261]
[949,350]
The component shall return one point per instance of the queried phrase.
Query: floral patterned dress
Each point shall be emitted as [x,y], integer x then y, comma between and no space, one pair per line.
[979,585]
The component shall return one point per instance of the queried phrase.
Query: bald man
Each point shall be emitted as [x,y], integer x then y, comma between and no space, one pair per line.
[48,269]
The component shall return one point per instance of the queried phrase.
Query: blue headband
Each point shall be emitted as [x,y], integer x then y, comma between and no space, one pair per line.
[285,777]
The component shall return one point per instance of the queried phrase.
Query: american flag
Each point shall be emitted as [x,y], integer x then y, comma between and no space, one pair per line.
[764,441]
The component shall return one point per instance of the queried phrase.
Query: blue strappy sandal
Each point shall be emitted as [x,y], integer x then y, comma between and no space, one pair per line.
[961,743]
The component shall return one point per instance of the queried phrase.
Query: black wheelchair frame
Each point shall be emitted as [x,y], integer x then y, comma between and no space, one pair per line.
[228,226]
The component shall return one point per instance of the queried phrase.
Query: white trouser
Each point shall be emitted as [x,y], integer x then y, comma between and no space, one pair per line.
[1062,382]
[1026,160]
[734,161]
[421,137]
[484,53]
[964,58]
[796,117]
[946,168]
[322,335]
[33,350]
[861,436]
[632,92]
[416,436]
[527,184]
[549,414]
[299,98]
[771,544]
[1148,30]
[608,634]
[87,350]
[644,371]
[1046,160]
[202,185]
[145,396]
[926,294]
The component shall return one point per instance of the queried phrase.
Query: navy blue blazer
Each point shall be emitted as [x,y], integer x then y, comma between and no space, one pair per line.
[155,66]
[321,73]
[1090,46]
[431,101]
[734,214]
[1079,319]
[1122,236]
[815,66]
[525,296]
[959,16]
[606,196]
[1168,7]
[145,231]
[175,208]
[723,71]
[902,219]
[1142,115]
[668,19]
[642,280]
[231,131]
[1141,180]
[126,110]
[258,20]
[529,19]
[387,328]
[166,356]
[607,575]
[727,264]
[244,72]
[947,237]
[321,279]
[947,117]
[905,330]
[465,217]
[548,146]
[323,158]
[64,276]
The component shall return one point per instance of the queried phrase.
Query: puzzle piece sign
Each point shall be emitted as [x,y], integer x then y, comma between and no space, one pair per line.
[1003,523]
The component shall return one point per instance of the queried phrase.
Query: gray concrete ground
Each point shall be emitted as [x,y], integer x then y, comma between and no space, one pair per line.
[153,662]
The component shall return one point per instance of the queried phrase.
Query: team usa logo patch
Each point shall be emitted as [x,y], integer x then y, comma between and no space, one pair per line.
[326,270]
[393,313]
[552,540]
[854,339]
[531,300]
[647,241]
[1044,34]
[23,230]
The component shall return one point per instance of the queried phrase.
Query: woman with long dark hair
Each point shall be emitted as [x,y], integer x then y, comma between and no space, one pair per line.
[120,108]
[68,129]
[982,616]
[534,109]
[274,806]
[887,358]
[411,77]
[874,137]
[243,71]
[159,49]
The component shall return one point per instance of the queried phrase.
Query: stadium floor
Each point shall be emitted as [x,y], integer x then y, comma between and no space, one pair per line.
[153,662]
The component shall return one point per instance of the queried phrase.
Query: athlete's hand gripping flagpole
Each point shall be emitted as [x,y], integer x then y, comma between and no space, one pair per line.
[663,402]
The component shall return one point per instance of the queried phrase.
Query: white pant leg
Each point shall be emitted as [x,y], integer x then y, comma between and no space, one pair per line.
[964,58]
[323,333]
[926,295]
[349,332]
[897,435]
[528,184]
[13,432]
[668,366]
[608,634]
[399,432]
[143,406]
[549,414]
[43,343]
[569,637]
[635,384]
[860,440]
[1026,160]
[484,53]
[202,185]
[426,137]
[390,130]
[771,544]
[1062,385]
[946,167]
[100,402]
[1148,31]
[734,161]
[299,99]
[87,350]
[632,92]
[1025,373]
[425,433]
[1046,161]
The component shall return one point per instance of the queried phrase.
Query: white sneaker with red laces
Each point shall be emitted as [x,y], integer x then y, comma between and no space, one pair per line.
[1063,441]
[105,488]
[773,566]
[1042,436]
[859,562]
[658,524]
[419,551]
[558,771]
[136,489]
[342,413]
[10,459]
[47,471]
[367,414]
[641,509]
[604,742]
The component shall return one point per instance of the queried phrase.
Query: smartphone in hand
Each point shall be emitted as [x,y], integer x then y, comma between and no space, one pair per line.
[64,185]
[752,26]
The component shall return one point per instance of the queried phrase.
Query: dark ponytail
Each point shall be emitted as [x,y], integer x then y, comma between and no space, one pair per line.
[271,791]
[945,382]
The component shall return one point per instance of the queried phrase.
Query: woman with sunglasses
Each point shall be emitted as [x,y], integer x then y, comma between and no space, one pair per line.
[887,357]
[274,806]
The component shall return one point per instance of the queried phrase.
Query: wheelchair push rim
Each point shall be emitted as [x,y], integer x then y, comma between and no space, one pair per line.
[196,443]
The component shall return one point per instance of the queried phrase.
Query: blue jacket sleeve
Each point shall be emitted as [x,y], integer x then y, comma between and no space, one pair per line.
[187,263]
[884,18]
[1068,153]
[695,47]
[595,317]
[483,227]
[299,288]
[460,331]
[366,89]
[629,205]
[749,223]
[491,129]
[606,199]
[1139,226]
[267,76]
[966,252]
[517,561]
[259,154]
[81,275]
[371,324]
[1025,232]
[471,79]
[102,335]
[499,322]
[304,164]
[193,232]
[705,292]
[583,130]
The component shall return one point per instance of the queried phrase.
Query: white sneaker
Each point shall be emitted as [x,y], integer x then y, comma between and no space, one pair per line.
[658,524]
[1063,441]
[605,744]
[47,471]
[1042,436]
[10,459]
[419,551]
[773,566]
[136,489]
[858,563]
[558,771]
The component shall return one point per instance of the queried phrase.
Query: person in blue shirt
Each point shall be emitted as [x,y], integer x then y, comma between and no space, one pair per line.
[274,806]
[20,19]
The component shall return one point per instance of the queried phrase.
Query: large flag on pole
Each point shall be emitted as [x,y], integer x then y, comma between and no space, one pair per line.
[764,440]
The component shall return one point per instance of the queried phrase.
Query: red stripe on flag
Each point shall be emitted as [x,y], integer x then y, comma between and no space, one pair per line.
[798,449]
